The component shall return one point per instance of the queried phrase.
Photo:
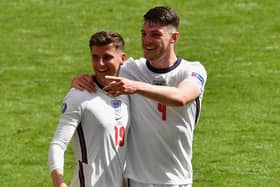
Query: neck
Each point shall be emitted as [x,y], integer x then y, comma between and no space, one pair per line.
[164,61]
[98,83]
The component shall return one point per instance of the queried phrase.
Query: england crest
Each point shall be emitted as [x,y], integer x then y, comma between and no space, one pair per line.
[116,104]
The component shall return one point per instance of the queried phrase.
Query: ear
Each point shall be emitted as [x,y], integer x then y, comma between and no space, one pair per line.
[123,58]
[175,37]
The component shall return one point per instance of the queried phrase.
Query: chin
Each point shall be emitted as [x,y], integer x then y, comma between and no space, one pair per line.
[148,57]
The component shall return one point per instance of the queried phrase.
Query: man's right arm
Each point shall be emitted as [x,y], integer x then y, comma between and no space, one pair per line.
[69,120]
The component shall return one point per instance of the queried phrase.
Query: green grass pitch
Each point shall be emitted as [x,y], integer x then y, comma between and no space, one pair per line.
[44,44]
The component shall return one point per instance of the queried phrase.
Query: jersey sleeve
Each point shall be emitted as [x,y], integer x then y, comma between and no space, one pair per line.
[197,75]
[129,70]
[69,120]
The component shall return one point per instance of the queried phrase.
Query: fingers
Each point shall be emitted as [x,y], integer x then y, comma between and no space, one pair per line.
[89,86]
[112,86]
[84,82]
[113,89]
[114,93]
[113,78]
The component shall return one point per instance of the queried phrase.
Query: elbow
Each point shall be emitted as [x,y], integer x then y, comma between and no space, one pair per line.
[181,101]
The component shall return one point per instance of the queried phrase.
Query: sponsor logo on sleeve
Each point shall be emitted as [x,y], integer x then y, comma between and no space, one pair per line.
[63,107]
[198,76]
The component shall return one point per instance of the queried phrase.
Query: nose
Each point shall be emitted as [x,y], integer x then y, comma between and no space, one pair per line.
[146,39]
[99,62]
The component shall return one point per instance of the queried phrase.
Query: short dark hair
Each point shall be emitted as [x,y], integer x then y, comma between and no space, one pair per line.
[105,38]
[163,15]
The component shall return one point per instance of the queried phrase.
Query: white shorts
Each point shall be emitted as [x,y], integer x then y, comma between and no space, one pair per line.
[132,183]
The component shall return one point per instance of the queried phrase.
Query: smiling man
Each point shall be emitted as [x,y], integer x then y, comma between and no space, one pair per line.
[97,123]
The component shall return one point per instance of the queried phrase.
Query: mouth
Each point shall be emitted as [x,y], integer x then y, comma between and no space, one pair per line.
[101,70]
[148,48]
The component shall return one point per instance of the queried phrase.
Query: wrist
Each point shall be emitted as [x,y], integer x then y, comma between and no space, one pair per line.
[57,177]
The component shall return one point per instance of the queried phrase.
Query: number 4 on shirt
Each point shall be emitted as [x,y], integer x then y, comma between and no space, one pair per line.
[162,109]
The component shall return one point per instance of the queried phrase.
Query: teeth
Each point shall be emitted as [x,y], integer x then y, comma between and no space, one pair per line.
[101,70]
[149,48]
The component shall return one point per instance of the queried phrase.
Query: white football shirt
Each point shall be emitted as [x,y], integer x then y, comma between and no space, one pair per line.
[98,125]
[160,138]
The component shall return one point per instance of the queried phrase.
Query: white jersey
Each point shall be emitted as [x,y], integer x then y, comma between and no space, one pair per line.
[98,125]
[160,138]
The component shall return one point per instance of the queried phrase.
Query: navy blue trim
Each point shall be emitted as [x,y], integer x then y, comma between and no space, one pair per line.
[197,101]
[81,174]
[83,154]
[128,182]
[82,143]
[97,83]
[164,70]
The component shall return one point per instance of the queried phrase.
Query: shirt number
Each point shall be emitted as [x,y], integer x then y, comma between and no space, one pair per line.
[162,109]
[119,135]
